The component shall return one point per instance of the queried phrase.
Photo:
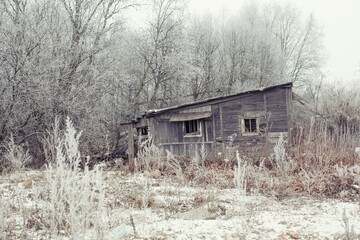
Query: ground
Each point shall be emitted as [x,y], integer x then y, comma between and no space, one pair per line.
[151,206]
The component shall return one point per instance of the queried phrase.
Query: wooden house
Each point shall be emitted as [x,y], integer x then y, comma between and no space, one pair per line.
[249,120]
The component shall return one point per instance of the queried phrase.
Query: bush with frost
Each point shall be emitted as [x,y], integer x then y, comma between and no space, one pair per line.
[280,160]
[240,175]
[15,158]
[73,200]
[149,155]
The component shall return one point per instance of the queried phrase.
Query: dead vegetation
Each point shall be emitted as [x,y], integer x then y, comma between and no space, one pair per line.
[164,190]
[320,163]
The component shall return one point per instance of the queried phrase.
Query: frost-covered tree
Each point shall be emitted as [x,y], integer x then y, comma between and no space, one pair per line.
[160,53]
[203,35]
[300,39]
[269,44]
[54,61]
[76,58]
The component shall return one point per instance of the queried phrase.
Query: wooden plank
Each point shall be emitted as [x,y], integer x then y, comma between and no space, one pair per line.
[276,104]
[221,127]
[209,131]
[181,150]
[181,117]
[131,144]
[257,114]
[179,129]
[172,148]
[216,121]
[188,148]
[234,104]
[205,108]
[205,135]
[277,116]
[194,139]
[254,107]
[234,126]
[213,107]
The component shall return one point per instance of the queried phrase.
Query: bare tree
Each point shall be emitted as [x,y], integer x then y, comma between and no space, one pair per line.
[158,45]
[75,58]
[268,44]
[250,56]
[20,40]
[205,47]
[54,61]
[300,42]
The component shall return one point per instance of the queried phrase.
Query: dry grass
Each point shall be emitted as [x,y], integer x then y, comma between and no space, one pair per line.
[320,163]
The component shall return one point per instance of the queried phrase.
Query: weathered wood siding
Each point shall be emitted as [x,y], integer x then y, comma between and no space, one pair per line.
[248,105]
[276,101]
[186,148]
[170,135]
[271,108]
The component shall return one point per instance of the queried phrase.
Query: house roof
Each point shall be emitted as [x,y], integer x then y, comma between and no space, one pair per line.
[153,112]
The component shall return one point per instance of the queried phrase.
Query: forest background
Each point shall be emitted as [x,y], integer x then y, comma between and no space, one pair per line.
[86,60]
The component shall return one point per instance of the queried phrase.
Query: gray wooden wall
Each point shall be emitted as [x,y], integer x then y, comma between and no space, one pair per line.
[271,107]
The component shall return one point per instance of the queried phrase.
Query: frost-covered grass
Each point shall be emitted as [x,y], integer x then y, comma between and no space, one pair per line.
[312,167]
[74,199]
[67,201]
[168,197]
[176,211]
[15,157]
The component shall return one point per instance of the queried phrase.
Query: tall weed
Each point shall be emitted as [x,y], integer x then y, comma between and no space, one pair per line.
[280,160]
[240,175]
[15,158]
[74,201]
[149,155]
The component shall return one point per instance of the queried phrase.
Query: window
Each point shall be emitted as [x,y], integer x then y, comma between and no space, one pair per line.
[143,131]
[249,126]
[192,128]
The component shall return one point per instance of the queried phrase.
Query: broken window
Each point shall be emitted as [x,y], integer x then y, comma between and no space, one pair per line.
[143,131]
[192,127]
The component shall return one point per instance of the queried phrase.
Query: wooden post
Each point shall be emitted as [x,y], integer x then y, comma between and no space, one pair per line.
[289,113]
[266,119]
[213,129]
[131,146]
[222,129]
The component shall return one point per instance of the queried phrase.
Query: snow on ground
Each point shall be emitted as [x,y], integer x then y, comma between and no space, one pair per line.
[141,207]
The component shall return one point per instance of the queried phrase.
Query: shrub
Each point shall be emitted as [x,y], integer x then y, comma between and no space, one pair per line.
[149,156]
[15,158]
[74,200]
[240,175]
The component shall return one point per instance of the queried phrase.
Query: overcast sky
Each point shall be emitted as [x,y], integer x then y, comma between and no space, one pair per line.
[340,21]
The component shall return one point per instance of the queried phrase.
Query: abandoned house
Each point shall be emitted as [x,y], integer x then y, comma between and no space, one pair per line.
[250,120]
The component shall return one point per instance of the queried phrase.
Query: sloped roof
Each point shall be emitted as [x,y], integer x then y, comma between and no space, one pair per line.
[153,112]
[158,111]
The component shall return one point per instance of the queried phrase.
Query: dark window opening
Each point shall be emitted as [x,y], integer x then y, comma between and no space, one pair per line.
[250,125]
[191,126]
[143,131]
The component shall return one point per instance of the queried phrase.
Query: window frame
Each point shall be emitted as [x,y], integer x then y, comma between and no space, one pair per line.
[198,133]
[243,128]
[140,132]
[144,131]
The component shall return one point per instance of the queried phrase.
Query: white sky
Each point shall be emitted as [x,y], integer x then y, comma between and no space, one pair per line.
[340,20]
